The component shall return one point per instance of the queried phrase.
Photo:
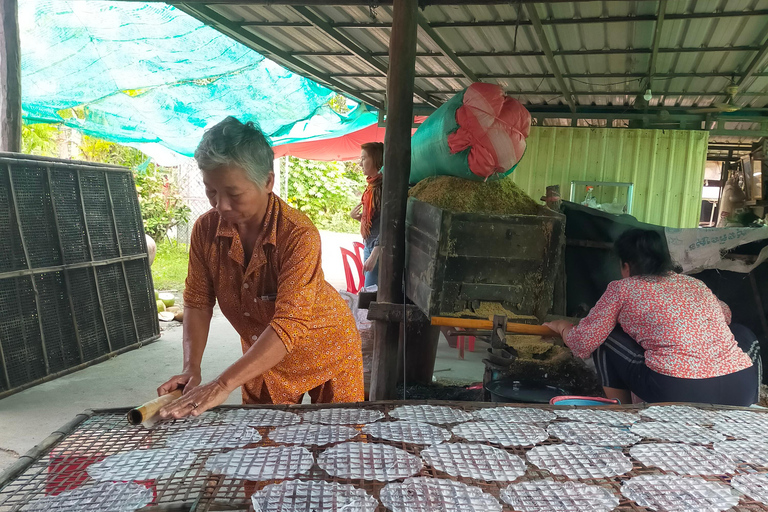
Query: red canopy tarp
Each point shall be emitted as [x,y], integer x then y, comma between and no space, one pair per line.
[337,149]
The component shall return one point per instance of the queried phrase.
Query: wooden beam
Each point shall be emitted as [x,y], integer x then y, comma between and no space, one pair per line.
[445,49]
[397,155]
[283,57]
[354,48]
[538,29]
[10,78]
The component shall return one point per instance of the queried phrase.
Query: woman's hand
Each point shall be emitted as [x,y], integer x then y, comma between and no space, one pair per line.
[196,401]
[370,263]
[186,381]
[357,212]
[562,327]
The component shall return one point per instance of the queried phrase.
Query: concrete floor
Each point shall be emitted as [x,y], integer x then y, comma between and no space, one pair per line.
[130,379]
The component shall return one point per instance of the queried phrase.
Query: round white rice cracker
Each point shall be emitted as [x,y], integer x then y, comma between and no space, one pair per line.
[368,461]
[343,416]
[550,496]
[312,434]
[592,434]
[672,493]
[213,437]
[258,418]
[422,494]
[742,416]
[407,432]
[514,415]
[749,452]
[754,486]
[677,432]
[750,431]
[263,463]
[683,459]
[103,497]
[602,416]
[477,461]
[312,496]
[580,462]
[141,465]
[435,414]
[680,414]
[504,434]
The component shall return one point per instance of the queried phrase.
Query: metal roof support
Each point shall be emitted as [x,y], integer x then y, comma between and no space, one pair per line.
[754,64]
[522,76]
[511,23]
[354,48]
[542,38]
[556,53]
[278,55]
[445,49]
[655,48]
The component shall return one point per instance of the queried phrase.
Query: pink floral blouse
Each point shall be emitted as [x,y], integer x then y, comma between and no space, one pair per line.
[678,321]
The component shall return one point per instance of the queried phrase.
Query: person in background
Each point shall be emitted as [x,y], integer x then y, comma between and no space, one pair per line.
[368,212]
[663,336]
[260,259]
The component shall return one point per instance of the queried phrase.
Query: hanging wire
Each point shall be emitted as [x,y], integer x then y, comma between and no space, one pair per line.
[517,26]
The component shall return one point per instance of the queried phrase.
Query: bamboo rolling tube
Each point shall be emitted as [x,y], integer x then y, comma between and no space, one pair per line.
[145,413]
[469,323]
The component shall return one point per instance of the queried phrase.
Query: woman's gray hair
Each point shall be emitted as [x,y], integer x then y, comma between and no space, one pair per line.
[232,142]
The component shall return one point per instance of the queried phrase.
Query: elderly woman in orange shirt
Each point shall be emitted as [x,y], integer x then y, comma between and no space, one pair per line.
[260,259]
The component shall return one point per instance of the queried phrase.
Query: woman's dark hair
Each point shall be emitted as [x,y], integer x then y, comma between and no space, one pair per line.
[644,251]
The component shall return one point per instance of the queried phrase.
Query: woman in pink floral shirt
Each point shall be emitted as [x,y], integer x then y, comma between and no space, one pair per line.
[663,336]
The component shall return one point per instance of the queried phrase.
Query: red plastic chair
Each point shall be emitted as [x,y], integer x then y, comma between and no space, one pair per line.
[359,250]
[347,255]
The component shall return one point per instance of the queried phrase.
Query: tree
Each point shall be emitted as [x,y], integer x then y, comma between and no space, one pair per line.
[326,192]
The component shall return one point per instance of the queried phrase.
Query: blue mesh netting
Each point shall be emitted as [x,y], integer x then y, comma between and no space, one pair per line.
[148,73]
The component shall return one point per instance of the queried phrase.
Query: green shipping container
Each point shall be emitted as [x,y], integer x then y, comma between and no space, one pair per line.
[665,166]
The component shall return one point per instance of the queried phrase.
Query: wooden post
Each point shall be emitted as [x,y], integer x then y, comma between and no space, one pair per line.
[397,167]
[10,77]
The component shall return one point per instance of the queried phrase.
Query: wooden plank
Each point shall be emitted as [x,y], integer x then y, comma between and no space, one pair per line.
[10,78]
[397,155]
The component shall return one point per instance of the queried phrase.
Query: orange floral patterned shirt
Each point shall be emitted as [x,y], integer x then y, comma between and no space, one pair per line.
[283,287]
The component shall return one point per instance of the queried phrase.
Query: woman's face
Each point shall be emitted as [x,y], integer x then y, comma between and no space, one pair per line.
[366,162]
[237,199]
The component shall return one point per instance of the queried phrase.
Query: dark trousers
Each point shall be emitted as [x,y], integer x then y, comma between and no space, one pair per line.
[620,363]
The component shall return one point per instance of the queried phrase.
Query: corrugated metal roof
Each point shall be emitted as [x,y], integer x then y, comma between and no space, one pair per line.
[603,49]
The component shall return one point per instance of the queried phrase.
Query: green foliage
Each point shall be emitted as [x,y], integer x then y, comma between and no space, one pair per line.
[170,267]
[162,207]
[326,192]
[39,139]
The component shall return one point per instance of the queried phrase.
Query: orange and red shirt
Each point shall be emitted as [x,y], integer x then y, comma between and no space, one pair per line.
[677,320]
[284,287]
